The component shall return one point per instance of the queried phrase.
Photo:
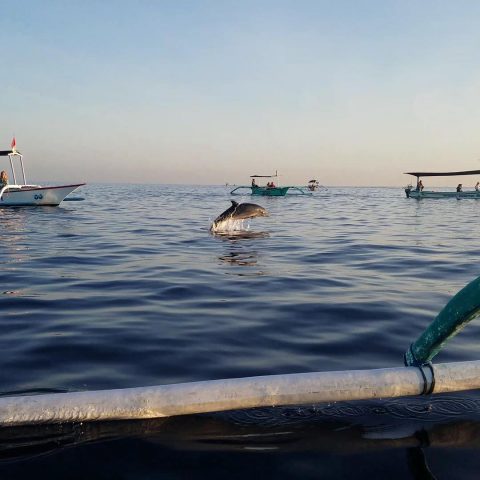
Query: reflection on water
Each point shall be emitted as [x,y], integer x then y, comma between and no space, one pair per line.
[240,235]
[280,430]
[13,247]
[241,259]
[239,252]
[417,464]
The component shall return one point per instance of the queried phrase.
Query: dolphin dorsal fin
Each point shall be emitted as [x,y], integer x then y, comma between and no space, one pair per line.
[234,203]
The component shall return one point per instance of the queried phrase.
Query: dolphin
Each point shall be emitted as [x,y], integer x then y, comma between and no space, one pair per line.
[239,211]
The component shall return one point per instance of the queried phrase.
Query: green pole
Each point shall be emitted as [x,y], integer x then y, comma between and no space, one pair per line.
[461,309]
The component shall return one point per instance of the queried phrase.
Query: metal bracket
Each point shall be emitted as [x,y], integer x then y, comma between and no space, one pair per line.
[426,369]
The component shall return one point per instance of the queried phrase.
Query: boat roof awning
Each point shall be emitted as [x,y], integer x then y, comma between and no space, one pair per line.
[443,174]
[262,176]
[4,153]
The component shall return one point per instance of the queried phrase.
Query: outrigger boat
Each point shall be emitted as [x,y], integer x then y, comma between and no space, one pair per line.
[268,190]
[419,192]
[15,195]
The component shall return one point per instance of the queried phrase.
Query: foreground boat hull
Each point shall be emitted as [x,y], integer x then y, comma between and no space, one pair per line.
[16,196]
[431,194]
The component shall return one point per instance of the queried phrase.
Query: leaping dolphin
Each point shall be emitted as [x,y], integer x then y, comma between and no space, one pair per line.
[239,211]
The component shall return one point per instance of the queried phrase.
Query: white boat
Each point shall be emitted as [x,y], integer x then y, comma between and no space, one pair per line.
[419,192]
[15,195]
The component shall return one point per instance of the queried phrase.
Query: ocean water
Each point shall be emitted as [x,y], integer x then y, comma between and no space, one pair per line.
[129,288]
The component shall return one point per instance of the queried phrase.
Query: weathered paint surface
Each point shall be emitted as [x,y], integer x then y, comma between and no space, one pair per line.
[232,394]
[460,310]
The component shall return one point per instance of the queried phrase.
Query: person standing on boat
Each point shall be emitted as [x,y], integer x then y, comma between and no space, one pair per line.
[459,187]
[419,186]
[477,186]
[254,185]
[3,178]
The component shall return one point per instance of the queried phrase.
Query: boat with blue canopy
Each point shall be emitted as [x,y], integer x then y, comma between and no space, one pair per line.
[419,192]
[270,189]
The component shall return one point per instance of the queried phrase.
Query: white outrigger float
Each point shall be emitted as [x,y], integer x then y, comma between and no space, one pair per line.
[16,195]
[419,192]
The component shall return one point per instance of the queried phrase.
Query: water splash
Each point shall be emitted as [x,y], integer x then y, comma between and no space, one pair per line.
[230,225]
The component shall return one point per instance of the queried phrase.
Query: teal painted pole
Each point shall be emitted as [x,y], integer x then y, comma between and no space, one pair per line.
[461,309]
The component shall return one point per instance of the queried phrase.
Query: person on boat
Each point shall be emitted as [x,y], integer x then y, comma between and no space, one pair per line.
[254,185]
[3,178]
[419,186]
[477,186]
[459,187]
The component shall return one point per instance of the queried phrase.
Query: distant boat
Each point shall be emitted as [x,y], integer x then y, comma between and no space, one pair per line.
[268,190]
[313,185]
[419,192]
[15,195]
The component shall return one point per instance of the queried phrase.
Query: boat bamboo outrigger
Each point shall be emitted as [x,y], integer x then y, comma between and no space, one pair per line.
[417,377]
[419,192]
[270,189]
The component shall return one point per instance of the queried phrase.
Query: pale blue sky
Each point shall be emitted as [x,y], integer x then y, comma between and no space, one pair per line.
[349,92]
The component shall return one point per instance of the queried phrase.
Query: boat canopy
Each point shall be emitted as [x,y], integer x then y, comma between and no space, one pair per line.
[263,176]
[443,174]
[5,153]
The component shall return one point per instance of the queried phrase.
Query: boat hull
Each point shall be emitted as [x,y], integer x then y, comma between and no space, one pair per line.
[35,195]
[430,194]
[270,191]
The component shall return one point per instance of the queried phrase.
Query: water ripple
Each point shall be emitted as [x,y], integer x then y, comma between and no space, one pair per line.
[129,288]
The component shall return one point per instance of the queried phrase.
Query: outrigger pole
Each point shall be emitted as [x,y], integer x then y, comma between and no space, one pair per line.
[416,378]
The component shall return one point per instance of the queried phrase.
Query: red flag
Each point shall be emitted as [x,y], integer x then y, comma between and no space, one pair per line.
[14,143]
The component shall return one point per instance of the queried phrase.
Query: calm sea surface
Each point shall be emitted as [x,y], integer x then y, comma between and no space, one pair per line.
[129,288]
